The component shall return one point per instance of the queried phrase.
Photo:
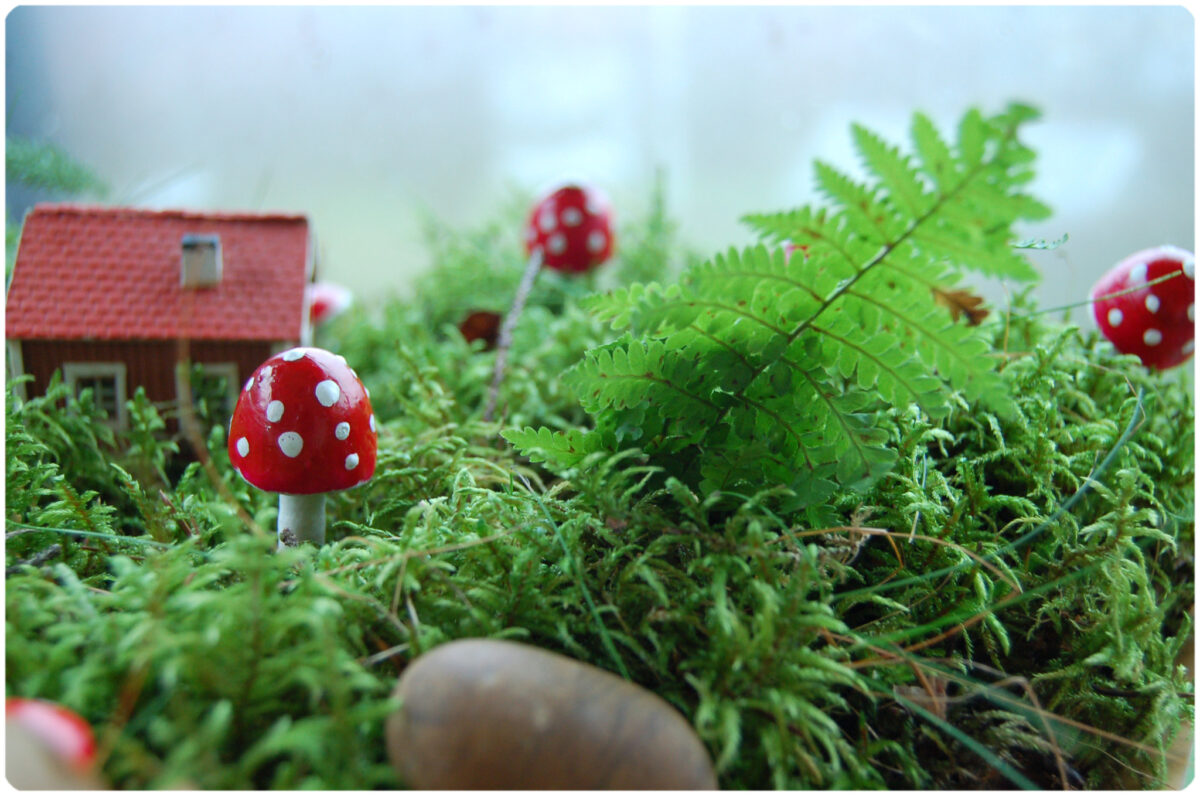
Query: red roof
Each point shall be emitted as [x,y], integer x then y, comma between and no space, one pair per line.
[89,272]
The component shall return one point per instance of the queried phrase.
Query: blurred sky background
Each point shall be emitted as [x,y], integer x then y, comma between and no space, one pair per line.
[366,117]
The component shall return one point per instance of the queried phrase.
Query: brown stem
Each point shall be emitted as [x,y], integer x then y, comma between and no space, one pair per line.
[504,341]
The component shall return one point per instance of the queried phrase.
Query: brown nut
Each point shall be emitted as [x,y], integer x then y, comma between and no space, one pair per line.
[490,714]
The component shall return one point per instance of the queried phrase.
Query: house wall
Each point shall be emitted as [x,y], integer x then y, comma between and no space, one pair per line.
[148,363]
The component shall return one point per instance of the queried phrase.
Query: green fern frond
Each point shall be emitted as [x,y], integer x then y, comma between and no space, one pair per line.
[768,363]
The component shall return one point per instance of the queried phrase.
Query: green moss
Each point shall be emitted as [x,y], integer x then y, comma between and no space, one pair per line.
[1004,606]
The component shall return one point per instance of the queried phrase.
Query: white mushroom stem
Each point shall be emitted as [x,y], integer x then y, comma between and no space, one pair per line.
[504,341]
[301,519]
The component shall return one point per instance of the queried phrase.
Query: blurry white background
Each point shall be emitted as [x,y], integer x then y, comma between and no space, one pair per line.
[361,117]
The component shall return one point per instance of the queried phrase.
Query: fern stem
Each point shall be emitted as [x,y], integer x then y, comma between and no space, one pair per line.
[723,343]
[911,324]
[665,383]
[859,448]
[739,274]
[879,361]
[907,274]
[729,308]
[784,424]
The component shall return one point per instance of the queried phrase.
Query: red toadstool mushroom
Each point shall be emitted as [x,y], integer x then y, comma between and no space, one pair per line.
[569,230]
[572,228]
[1154,321]
[303,426]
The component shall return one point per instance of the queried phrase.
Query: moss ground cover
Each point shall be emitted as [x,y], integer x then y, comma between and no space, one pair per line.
[1002,608]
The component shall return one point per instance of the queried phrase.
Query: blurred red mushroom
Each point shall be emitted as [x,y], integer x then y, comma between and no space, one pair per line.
[572,228]
[1141,315]
[326,301]
[48,747]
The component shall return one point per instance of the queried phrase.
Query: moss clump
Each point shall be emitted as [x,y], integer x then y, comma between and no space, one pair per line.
[1003,608]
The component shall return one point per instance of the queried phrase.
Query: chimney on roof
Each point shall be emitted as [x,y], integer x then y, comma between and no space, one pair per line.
[200,261]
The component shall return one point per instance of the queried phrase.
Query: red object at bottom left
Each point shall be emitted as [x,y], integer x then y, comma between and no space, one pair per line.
[48,747]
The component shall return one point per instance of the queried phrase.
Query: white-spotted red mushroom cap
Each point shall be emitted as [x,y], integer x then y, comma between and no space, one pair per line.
[63,730]
[1155,322]
[303,425]
[572,226]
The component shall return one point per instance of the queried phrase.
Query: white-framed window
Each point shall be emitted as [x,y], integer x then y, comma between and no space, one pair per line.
[216,384]
[107,383]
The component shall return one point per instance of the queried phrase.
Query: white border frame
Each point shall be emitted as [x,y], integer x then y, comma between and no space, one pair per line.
[73,371]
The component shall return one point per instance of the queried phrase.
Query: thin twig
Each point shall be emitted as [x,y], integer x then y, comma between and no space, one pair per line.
[504,341]
[37,560]
[1106,297]
[380,657]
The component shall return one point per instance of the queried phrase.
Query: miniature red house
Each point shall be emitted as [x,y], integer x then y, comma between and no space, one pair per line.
[116,297]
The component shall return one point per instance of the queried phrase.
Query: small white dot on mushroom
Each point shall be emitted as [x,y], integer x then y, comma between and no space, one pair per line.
[352,461]
[291,444]
[596,240]
[371,422]
[546,219]
[1115,316]
[557,243]
[1192,313]
[341,430]
[274,411]
[1189,268]
[243,446]
[249,384]
[1188,347]
[572,217]
[1152,337]
[1138,273]
[328,392]
[292,354]
[1152,303]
